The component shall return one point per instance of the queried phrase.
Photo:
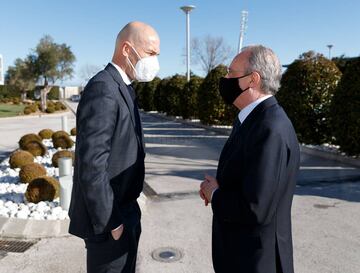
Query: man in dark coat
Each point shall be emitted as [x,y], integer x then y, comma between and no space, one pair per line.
[109,156]
[252,193]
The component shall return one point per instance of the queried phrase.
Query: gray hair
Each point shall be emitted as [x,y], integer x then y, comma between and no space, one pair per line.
[264,61]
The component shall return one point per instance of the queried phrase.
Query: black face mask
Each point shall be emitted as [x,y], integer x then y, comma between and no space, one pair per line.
[229,88]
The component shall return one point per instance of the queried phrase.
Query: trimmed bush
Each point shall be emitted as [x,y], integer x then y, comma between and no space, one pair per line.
[61,154]
[43,188]
[61,139]
[50,110]
[46,133]
[146,93]
[31,171]
[212,109]
[160,96]
[345,110]
[59,134]
[28,138]
[189,96]
[20,158]
[36,148]
[33,107]
[307,88]
[174,89]
[73,131]
[27,110]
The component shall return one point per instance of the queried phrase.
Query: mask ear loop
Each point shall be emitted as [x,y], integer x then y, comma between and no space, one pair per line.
[137,54]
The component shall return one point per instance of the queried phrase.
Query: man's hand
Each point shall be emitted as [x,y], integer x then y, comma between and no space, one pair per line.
[207,188]
[116,233]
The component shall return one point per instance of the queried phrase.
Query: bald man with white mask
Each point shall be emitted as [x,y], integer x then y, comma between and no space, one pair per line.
[109,158]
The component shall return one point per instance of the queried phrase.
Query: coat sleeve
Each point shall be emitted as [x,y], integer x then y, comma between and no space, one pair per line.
[254,199]
[97,117]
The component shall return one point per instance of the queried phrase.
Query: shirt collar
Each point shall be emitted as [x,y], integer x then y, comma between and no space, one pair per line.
[248,109]
[123,75]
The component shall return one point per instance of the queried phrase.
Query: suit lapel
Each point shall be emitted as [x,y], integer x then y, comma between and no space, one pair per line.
[240,133]
[256,113]
[123,89]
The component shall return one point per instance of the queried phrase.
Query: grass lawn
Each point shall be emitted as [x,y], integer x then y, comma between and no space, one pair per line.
[9,110]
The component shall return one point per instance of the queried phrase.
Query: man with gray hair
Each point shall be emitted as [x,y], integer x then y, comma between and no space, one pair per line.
[252,193]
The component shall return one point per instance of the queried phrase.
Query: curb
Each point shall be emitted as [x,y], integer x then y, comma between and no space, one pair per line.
[40,229]
[33,229]
[226,131]
[330,156]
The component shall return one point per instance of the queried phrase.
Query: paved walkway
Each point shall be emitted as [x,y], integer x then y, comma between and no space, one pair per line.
[325,211]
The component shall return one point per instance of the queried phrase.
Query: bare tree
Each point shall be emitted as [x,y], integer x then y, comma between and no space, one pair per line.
[209,52]
[87,71]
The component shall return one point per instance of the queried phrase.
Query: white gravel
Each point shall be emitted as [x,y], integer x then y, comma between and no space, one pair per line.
[12,200]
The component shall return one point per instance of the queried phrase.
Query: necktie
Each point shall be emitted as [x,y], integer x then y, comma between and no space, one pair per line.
[136,113]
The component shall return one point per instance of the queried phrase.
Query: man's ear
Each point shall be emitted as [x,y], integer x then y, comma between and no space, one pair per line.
[255,79]
[125,49]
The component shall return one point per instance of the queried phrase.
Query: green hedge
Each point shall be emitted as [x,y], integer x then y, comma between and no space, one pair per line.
[307,88]
[345,110]
[11,91]
[188,100]
[212,109]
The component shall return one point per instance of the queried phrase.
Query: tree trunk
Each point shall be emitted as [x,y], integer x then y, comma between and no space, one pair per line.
[23,96]
[43,96]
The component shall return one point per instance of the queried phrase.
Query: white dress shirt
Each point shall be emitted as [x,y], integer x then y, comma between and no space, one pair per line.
[249,108]
[123,75]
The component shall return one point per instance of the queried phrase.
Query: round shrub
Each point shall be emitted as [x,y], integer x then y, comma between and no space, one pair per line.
[28,138]
[345,110]
[174,89]
[27,110]
[36,148]
[307,89]
[46,133]
[20,158]
[50,110]
[64,142]
[59,134]
[73,131]
[50,104]
[31,171]
[211,107]
[43,188]
[33,107]
[61,154]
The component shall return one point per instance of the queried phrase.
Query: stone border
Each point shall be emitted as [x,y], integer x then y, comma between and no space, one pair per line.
[303,148]
[40,229]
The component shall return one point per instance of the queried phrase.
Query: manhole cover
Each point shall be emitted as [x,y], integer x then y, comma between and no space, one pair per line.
[167,254]
[15,246]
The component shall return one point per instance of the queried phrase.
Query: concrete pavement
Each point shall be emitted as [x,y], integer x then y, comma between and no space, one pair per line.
[325,212]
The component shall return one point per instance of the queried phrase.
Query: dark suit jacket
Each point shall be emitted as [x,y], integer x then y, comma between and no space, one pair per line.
[109,156]
[252,208]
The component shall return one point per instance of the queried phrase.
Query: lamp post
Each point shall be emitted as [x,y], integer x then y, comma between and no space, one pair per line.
[330,47]
[187,10]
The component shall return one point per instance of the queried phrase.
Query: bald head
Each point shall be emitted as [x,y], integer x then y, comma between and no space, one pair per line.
[135,37]
[136,33]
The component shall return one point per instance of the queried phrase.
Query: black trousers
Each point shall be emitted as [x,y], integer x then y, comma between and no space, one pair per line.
[106,255]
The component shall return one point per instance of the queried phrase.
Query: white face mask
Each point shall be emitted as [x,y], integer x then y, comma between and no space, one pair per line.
[146,68]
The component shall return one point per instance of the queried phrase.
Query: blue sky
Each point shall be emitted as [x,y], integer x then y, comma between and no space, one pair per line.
[90,27]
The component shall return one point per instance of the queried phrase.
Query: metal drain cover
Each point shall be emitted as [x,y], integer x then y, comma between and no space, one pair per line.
[15,246]
[167,254]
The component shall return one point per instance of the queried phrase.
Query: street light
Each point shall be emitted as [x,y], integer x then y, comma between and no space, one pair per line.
[187,10]
[330,47]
